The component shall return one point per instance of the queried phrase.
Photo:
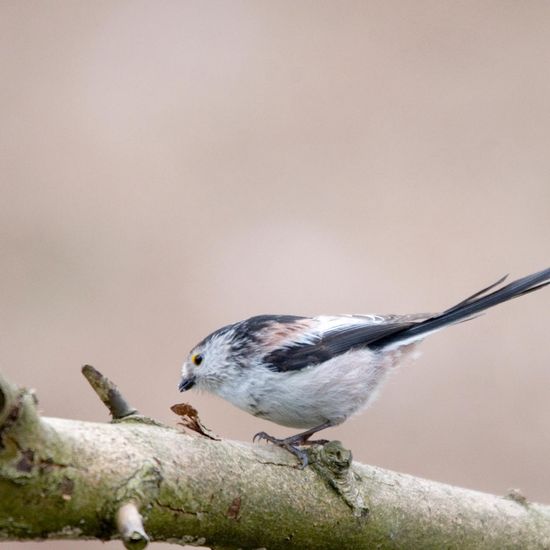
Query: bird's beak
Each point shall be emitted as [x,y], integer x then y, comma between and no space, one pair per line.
[187,383]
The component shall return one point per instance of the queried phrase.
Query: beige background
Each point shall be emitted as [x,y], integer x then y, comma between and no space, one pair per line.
[169,167]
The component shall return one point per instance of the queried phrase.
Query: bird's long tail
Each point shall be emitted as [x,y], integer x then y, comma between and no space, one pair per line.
[468,308]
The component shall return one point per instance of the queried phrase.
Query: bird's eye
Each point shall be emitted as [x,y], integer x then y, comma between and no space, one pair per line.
[197,359]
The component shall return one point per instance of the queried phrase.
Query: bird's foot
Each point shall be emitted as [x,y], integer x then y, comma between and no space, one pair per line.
[289,444]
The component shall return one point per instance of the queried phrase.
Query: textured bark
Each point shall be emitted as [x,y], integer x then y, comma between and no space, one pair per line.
[66,479]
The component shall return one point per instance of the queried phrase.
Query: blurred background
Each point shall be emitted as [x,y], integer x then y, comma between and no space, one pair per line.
[170,167]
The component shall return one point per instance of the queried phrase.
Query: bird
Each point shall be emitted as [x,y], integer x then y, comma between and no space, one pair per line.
[315,372]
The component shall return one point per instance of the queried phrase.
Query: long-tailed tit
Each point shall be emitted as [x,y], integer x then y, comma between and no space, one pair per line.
[315,372]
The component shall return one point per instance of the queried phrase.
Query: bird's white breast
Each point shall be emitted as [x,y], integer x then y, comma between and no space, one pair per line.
[330,391]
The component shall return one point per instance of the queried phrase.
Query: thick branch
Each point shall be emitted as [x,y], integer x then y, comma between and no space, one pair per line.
[69,479]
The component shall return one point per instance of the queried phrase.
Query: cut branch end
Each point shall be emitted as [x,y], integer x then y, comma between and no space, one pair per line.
[108,392]
[130,527]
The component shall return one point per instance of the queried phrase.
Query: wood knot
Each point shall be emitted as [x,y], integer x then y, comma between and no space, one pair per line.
[333,463]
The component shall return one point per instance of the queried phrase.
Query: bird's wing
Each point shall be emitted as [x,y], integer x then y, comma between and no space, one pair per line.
[310,341]
[332,336]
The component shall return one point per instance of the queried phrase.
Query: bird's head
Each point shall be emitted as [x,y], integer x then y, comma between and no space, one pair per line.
[209,363]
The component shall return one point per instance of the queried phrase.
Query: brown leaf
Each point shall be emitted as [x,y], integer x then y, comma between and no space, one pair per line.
[190,419]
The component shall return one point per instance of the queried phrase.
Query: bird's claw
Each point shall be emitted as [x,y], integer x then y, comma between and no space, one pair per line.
[261,436]
[289,444]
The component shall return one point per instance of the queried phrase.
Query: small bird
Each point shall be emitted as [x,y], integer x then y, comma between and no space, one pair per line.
[315,372]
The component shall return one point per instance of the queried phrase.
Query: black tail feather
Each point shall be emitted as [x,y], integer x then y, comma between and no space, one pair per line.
[471,307]
[471,298]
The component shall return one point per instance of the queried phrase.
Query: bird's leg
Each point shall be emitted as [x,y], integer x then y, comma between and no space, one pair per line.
[291,443]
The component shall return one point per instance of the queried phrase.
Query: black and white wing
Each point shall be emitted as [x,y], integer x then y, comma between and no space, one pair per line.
[319,339]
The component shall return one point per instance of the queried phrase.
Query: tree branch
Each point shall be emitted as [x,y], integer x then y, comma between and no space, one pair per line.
[108,393]
[130,527]
[66,479]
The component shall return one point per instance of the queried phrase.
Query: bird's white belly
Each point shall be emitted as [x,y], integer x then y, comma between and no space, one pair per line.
[331,391]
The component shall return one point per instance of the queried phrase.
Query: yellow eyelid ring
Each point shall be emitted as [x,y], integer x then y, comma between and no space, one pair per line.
[196,359]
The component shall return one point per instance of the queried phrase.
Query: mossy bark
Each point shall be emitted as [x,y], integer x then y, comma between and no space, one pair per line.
[68,479]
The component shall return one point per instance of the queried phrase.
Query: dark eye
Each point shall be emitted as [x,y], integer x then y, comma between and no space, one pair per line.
[197,359]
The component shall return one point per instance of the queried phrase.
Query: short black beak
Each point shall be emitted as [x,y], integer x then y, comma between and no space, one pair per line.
[187,383]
